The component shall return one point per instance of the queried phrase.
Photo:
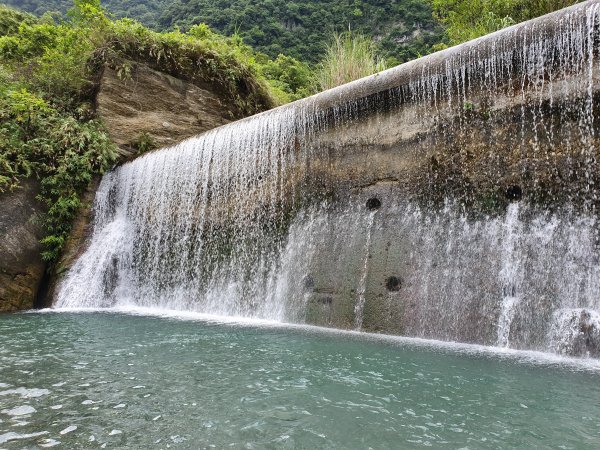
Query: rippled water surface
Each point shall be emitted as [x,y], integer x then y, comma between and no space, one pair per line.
[108,380]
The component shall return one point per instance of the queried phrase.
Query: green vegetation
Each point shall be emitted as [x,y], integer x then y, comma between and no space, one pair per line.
[199,56]
[39,7]
[144,143]
[11,19]
[60,148]
[47,128]
[145,11]
[349,56]
[469,19]
[403,29]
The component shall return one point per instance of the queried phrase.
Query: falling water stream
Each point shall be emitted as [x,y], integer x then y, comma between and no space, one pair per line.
[362,285]
[509,275]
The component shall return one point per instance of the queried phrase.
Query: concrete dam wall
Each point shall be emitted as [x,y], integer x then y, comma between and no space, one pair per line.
[454,197]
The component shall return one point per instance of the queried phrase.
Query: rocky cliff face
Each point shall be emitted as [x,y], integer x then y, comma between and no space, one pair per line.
[151,104]
[21,268]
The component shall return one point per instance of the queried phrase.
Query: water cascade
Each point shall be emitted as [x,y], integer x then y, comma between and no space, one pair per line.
[482,159]
[508,274]
[362,285]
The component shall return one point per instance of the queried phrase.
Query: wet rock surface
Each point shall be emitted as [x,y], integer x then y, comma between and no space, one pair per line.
[21,267]
[576,332]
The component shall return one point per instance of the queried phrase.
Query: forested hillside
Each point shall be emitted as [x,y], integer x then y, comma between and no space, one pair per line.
[403,29]
[145,11]
[468,19]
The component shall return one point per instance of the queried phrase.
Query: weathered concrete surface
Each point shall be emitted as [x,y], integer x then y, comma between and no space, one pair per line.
[437,130]
[472,160]
[154,104]
[21,267]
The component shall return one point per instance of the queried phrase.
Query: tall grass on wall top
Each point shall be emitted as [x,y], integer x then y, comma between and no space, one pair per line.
[349,56]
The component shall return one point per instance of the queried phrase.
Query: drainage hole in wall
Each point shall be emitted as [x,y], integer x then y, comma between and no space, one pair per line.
[373,204]
[393,284]
[514,193]
[309,282]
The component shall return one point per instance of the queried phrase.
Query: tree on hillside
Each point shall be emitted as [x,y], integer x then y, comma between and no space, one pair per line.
[469,19]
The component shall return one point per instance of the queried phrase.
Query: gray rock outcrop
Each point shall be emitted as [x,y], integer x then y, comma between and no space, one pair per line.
[21,266]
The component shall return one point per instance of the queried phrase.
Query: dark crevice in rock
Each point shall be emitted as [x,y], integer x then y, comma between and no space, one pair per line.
[42,299]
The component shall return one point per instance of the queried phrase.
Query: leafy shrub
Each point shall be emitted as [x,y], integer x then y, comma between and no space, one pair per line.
[61,151]
[144,143]
[11,19]
[290,78]
[470,19]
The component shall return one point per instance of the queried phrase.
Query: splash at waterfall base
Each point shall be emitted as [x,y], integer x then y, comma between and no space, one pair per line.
[454,197]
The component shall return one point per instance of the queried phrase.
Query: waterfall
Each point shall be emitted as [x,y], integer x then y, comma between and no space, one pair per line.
[509,276]
[362,285]
[265,217]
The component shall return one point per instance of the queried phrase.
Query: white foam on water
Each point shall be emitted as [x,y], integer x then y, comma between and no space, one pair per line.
[26,393]
[11,436]
[19,410]
[68,430]
[523,356]
[48,443]
[20,423]
[165,313]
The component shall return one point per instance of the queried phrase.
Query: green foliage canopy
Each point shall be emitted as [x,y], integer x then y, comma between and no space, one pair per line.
[469,19]
[300,29]
[403,29]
